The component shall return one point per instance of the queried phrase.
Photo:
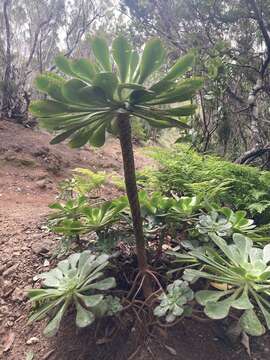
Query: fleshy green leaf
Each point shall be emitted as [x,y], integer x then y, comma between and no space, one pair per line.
[98,136]
[44,309]
[63,266]
[94,96]
[73,260]
[53,326]
[162,86]
[205,296]
[91,300]
[83,316]
[243,244]
[182,92]
[122,52]
[160,311]
[71,88]
[222,245]
[63,136]
[40,294]
[84,259]
[152,59]
[43,108]
[185,110]
[50,83]
[159,120]
[180,67]
[84,69]
[107,82]
[251,324]
[134,61]
[264,311]
[105,284]
[218,310]
[141,96]
[82,136]
[243,302]
[266,253]
[51,278]
[64,65]
[101,52]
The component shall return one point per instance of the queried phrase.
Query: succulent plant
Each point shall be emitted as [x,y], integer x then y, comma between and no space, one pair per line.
[88,104]
[172,302]
[105,95]
[113,305]
[214,223]
[238,220]
[242,272]
[91,218]
[77,280]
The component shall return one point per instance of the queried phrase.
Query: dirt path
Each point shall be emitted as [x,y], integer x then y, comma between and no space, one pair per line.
[29,172]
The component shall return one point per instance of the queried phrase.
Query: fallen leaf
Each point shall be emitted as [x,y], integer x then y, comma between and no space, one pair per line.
[32,340]
[171,350]
[8,342]
[245,343]
[30,355]
[48,354]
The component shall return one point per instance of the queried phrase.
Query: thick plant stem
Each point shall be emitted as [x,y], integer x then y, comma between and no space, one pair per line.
[132,194]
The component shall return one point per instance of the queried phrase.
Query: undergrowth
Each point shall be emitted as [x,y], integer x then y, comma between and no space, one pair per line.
[184,171]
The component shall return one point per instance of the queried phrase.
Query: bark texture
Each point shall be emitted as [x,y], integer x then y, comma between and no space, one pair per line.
[132,194]
[6,96]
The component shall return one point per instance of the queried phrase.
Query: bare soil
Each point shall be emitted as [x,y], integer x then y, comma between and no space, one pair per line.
[30,170]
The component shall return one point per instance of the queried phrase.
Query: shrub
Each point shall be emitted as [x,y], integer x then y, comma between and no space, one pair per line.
[186,172]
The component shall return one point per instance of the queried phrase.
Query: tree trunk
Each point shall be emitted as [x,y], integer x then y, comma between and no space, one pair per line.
[258,146]
[6,103]
[132,194]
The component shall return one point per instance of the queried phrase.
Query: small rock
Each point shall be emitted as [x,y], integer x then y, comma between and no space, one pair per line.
[42,183]
[4,309]
[2,268]
[8,341]
[17,148]
[46,263]
[10,270]
[42,176]
[41,248]
[35,236]
[27,162]
[32,340]
[10,156]
[18,295]
[42,151]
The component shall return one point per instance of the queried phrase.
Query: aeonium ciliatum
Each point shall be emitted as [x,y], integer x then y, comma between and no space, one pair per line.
[79,280]
[243,272]
[106,94]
